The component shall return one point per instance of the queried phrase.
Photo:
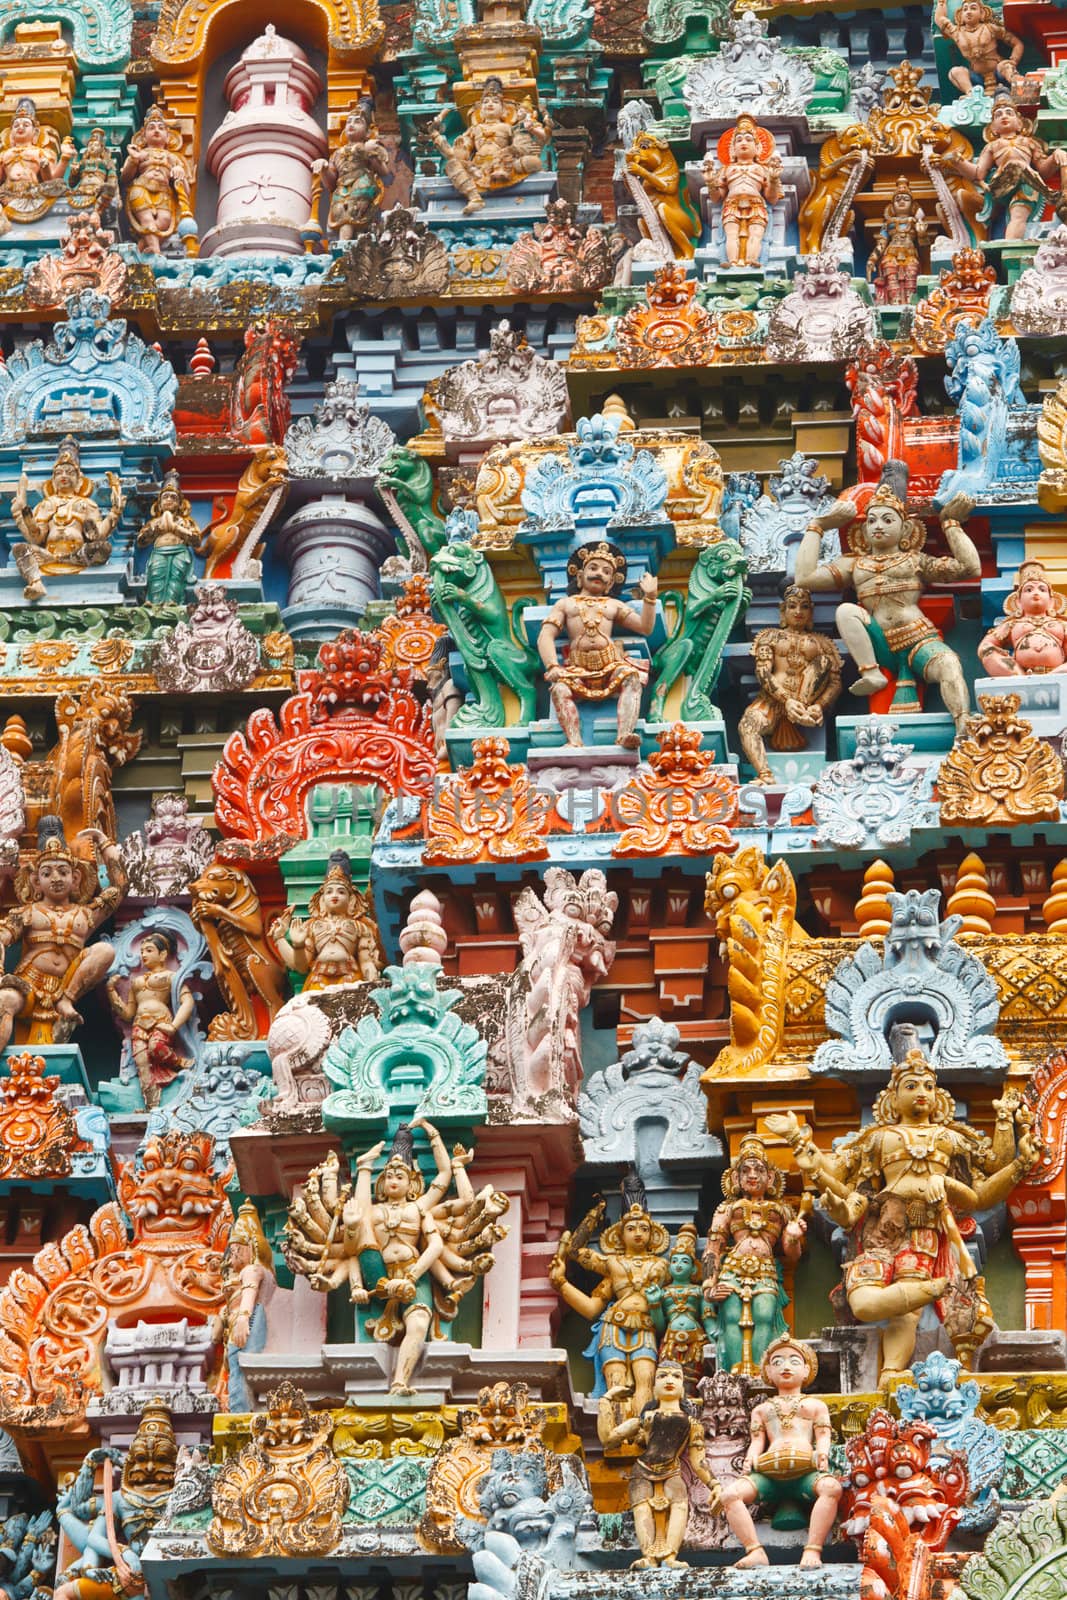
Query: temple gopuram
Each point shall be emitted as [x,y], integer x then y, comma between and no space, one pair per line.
[533,804]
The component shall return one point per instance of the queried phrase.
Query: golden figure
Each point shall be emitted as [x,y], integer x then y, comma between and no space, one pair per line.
[747,181]
[931,1168]
[597,666]
[157,180]
[788,1461]
[663,206]
[53,923]
[226,909]
[742,1278]
[66,531]
[501,145]
[668,1433]
[799,677]
[148,1008]
[826,214]
[32,167]
[632,1258]
[338,942]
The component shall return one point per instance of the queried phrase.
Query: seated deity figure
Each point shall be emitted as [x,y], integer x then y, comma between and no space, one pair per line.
[93,179]
[338,942]
[799,676]
[157,181]
[356,174]
[33,162]
[596,666]
[900,1185]
[66,530]
[1031,637]
[172,535]
[886,631]
[110,1530]
[53,923]
[977,32]
[747,180]
[502,145]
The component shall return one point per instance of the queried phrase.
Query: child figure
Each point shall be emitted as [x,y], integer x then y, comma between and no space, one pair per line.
[679,1310]
[147,1006]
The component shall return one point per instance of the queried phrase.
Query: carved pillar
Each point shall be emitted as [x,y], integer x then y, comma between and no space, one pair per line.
[572,146]
[334,549]
[262,151]
[1038,1207]
[533,1167]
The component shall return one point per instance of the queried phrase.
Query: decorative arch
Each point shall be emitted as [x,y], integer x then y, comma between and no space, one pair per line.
[351,723]
[100,30]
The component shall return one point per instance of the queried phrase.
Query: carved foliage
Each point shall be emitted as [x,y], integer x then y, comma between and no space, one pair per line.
[998,772]
[678,804]
[488,812]
[38,1134]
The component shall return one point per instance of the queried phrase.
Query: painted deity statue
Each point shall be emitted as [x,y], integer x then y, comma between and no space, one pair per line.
[886,631]
[799,677]
[631,1260]
[1017,172]
[356,174]
[668,1433]
[110,1529]
[680,1313]
[93,179]
[393,1240]
[900,1184]
[155,1019]
[1031,637]
[750,1233]
[157,182]
[66,530]
[33,162]
[596,665]
[977,32]
[338,941]
[172,535]
[788,1460]
[893,264]
[747,180]
[248,1283]
[53,923]
[501,145]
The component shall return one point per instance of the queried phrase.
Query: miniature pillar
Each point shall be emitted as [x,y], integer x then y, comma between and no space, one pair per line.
[334,549]
[873,911]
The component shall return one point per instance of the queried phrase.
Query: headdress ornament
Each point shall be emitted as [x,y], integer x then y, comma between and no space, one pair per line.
[605,552]
[752,1148]
[785,1341]
[402,1154]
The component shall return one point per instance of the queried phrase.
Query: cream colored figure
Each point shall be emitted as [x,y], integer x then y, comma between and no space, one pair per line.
[747,181]
[789,1456]
[154,1024]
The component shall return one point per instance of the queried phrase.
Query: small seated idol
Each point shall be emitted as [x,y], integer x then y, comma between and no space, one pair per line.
[799,676]
[668,1433]
[154,1021]
[502,144]
[596,665]
[748,181]
[788,1461]
[338,941]
[53,923]
[356,174]
[93,180]
[33,162]
[172,535]
[886,631]
[977,32]
[1031,637]
[900,1186]
[66,530]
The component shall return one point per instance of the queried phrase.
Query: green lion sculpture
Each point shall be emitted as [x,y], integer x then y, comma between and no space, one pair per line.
[716,597]
[406,480]
[468,601]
